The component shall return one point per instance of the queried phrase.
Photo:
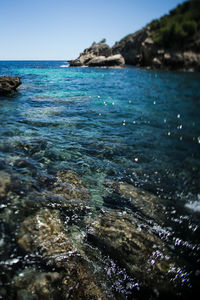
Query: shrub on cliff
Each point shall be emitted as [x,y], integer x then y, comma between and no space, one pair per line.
[182,22]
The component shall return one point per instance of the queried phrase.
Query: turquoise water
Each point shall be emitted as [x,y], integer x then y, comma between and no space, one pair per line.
[138,126]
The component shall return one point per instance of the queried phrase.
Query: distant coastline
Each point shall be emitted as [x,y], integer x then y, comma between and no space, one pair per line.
[170,43]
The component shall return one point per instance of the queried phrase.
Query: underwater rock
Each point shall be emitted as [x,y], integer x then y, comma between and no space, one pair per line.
[78,283]
[140,252]
[143,201]
[34,285]
[43,235]
[70,192]
[9,85]
[5,182]
[70,186]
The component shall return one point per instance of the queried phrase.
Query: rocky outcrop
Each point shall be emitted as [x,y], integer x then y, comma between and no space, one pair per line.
[8,85]
[98,55]
[139,49]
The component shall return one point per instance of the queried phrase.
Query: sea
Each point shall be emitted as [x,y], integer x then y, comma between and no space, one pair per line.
[133,126]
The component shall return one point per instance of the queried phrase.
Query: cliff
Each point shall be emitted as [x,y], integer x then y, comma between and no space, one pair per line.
[171,42]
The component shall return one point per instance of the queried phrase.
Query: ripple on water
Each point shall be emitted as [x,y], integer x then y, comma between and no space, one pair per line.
[132,138]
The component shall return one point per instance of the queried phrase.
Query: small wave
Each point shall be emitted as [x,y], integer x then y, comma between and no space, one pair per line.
[194,205]
[64,66]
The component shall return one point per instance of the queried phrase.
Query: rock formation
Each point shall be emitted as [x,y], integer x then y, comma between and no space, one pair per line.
[8,85]
[171,42]
[136,249]
[98,55]
[140,50]
[43,234]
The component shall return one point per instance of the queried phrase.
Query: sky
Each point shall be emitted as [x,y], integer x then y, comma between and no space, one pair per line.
[61,29]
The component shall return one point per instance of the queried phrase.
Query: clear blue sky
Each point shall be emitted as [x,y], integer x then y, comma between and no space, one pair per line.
[61,29]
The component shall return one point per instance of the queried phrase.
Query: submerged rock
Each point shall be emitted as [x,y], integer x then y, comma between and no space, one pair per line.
[32,284]
[140,201]
[43,235]
[70,186]
[98,55]
[146,202]
[9,85]
[5,182]
[140,252]
[71,194]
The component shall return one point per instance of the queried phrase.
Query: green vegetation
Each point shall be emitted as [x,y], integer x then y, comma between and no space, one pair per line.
[181,23]
[103,41]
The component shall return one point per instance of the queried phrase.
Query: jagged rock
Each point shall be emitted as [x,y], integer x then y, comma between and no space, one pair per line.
[98,55]
[9,85]
[132,247]
[131,47]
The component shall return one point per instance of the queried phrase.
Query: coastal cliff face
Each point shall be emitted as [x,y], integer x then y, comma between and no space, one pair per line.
[98,55]
[172,42]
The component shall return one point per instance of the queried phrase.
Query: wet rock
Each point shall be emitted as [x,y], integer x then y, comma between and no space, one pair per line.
[139,200]
[32,284]
[5,182]
[140,252]
[43,234]
[70,192]
[78,283]
[69,185]
[8,85]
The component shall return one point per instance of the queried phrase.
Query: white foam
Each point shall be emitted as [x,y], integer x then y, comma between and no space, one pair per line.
[194,205]
[64,66]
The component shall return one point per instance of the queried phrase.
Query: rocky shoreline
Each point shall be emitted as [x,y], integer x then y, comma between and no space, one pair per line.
[140,50]
[9,85]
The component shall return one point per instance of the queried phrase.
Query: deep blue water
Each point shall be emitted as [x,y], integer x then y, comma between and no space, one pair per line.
[135,125]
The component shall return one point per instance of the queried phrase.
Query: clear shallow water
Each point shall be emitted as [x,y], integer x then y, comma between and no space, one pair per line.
[132,125]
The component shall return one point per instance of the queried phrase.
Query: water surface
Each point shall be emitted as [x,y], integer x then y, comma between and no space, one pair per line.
[129,125]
